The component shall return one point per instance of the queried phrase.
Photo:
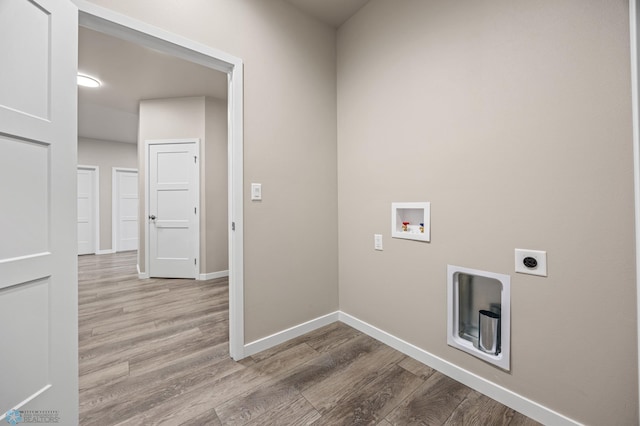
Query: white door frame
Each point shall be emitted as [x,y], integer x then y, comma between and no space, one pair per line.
[96,205]
[147,194]
[115,194]
[109,22]
[634,9]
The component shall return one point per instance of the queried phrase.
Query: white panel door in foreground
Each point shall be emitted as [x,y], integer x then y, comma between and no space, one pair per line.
[38,245]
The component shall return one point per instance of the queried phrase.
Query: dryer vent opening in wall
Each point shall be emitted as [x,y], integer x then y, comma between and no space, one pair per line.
[479,314]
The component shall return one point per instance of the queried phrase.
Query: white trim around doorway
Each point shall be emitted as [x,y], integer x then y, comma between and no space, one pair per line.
[634,10]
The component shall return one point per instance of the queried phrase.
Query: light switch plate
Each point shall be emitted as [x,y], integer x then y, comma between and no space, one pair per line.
[256,191]
[532,262]
[377,241]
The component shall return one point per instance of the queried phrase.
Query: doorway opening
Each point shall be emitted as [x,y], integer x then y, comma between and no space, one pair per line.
[112,24]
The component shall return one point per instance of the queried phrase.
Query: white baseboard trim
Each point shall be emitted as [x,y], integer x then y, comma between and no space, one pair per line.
[141,275]
[511,399]
[213,275]
[107,251]
[288,334]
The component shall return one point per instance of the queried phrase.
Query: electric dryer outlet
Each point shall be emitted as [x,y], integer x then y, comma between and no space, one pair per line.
[532,262]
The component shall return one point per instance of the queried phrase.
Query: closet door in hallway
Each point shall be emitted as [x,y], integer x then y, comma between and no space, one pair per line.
[125,209]
[87,209]
[173,179]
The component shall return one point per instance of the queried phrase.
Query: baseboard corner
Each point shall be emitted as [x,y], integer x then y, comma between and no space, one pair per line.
[290,333]
[141,275]
[213,275]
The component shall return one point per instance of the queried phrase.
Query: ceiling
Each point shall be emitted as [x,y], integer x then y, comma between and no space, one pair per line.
[130,73]
[331,12]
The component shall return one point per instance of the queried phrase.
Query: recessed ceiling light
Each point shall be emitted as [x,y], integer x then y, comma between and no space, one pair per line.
[88,81]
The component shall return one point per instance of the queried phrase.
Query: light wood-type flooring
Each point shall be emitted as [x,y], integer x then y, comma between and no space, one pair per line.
[156,352]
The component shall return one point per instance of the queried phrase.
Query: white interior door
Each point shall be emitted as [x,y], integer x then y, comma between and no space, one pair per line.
[87,223]
[126,209]
[38,262]
[173,210]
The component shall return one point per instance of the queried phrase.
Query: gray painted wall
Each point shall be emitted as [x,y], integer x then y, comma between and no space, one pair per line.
[514,120]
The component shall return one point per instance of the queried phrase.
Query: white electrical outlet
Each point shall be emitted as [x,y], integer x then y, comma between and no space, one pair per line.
[532,262]
[377,241]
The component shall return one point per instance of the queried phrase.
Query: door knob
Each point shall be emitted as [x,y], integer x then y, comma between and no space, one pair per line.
[152,217]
